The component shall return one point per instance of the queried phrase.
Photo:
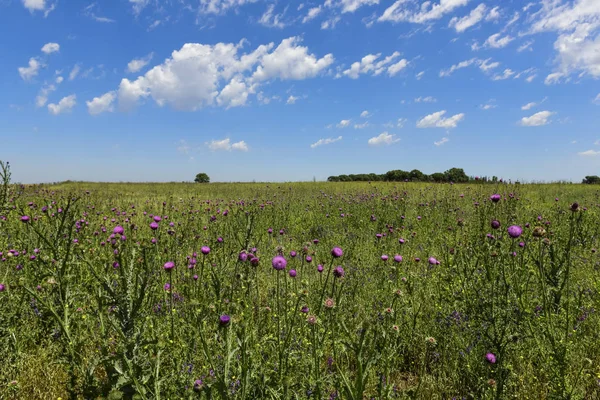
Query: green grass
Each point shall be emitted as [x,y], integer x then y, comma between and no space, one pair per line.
[73,324]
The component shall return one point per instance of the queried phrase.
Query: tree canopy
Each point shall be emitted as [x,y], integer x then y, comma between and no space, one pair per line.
[202,177]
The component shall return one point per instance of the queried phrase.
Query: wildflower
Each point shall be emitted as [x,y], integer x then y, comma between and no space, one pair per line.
[396,328]
[574,207]
[304,309]
[153,226]
[398,258]
[384,257]
[118,230]
[25,218]
[514,231]
[433,261]
[254,261]
[495,198]
[495,224]
[308,259]
[243,256]
[2,287]
[311,319]
[293,254]
[337,252]
[319,268]
[338,272]
[293,273]
[401,241]
[491,358]
[329,303]
[167,287]
[169,265]
[205,250]
[224,320]
[279,263]
[538,231]
[431,340]
[198,385]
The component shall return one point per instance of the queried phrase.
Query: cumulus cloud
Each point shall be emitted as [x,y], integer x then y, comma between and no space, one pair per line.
[31,70]
[464,23]
[365,113]
[369,64]
[291,100]
[349,6]
[39,5]
[200,75]
[437,120]
[312,14]
[137,64]
[50,48]
[226,145]
[383,139]
[219,6]
[403,11]
[322,142]
[538,119]
[42,97]
[65,105]
[589,153]
[102,103]
[343,123]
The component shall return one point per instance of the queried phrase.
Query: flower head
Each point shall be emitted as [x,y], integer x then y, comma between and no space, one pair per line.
[169,265]
[153,226]
[293,273]
[384,257]
[495,198]
[398,258]
[337,252]
[279,263]
[205,250]
[491,358]
[495,224]
[338,272]
[118,230]
[224,320]
[25,218]
[329,303]
[514,231]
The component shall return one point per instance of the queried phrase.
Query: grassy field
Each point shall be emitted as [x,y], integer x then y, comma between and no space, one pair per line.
[304,290]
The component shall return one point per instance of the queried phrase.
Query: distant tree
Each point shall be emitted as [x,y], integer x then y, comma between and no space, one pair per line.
[456,175]
[202,178]
[438,177]
[418,176]
[397,175]
[591,180]
[333,179]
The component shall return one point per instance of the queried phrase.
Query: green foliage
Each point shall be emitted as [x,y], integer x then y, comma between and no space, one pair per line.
[95,315]
[202,177]
[591,180]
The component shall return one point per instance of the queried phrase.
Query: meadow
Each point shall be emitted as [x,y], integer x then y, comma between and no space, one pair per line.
[300,291]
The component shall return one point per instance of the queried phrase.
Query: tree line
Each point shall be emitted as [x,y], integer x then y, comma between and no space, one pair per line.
[456,175]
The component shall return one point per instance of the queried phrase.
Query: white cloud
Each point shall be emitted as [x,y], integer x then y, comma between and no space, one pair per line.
[554,77]
[32,70]
[59,79]
[349,6]
[537,119]
[428,99]
[65,105]
[74,72]
[361,126]
[225,144]
[312,13]
[576,22]
[525,46]
[322,142]
[50,48]
[331,22]
[507,73]
[464,23]
[219,6]
[437,120]
[400,11]
[383,139]
[343,123]
[528,106]
[493,15]
[495,41]
[138,5]
[369,65]
[486,65]
[401,122]
[270,19]
[42,97]
[137,64]
[441,141]
[199,75]
[240,146]
[487,106]
[530,78]
[597,99]
[365,114]
[291,100]
[39,5]
[460,65]
[102,103]
[420,75]
[589,153]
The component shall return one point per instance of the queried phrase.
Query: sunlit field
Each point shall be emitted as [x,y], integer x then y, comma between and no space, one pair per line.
[305,290]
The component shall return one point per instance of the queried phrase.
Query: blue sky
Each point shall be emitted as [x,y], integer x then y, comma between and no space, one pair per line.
[154,90]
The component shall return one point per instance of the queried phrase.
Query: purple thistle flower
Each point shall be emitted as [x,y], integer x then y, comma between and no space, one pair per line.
[157,218]
[153,226]
[167,286]
[293,254]
[491,358]
[308,259]
[118,230]
[433,261]
[495,224]
[384,257]
[279,263]
[254,261]
[514,231]
[25,218]
[304,309]
[205,250]
[293,273]
[398,258]
[337,252]
[2,287]
[401,241]
[495,198]
[338,272]
[319,268]
[243,257]
[169,265]
[521,244]
[198,385]
[224,320]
